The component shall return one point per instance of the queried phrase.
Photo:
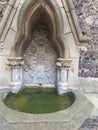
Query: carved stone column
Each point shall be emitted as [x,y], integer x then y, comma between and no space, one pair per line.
[63,66]
[15,64]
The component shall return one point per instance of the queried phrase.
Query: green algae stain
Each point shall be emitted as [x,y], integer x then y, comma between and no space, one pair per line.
[39,100]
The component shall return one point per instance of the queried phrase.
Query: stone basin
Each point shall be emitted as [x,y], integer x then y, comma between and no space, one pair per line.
[70,118]
[39,100]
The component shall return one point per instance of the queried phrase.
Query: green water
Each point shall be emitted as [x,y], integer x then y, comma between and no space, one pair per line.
[39,100]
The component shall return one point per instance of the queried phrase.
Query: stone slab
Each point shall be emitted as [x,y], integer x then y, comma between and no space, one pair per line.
[15,19]
[59,3]
[5,74]
[8,42]
[83,114]
[66,27]
[65,5]
[14,3]
[89,85]
[6,21]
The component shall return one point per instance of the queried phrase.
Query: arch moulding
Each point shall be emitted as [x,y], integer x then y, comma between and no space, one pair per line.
[29,16]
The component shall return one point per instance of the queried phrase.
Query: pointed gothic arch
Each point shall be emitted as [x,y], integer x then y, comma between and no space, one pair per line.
[31,14]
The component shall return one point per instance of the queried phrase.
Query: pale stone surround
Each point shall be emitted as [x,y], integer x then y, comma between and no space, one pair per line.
[14,31]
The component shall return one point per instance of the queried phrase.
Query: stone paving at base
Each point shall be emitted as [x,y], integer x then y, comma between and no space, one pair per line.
[90,124]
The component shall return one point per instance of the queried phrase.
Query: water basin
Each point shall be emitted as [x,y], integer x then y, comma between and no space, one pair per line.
[39,100]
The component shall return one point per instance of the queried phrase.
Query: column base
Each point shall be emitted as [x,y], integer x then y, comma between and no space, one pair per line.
[62,88]
[16,86]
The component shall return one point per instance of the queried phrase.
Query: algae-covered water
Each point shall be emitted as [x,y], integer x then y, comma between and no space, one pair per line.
[39,100]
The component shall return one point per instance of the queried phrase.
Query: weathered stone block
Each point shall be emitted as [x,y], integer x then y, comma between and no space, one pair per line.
[15,19]
[8,42]
[65,4]
[14,3]
[6,21]
[66,28]
[60,3]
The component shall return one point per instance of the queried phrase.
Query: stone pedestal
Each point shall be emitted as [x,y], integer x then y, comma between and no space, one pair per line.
[15,64]
[63,66]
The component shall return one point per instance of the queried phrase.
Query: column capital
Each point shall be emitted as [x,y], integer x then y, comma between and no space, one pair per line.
[15,61]
[63,63]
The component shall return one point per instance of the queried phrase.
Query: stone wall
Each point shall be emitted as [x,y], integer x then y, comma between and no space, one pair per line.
[90,124]
[87,12]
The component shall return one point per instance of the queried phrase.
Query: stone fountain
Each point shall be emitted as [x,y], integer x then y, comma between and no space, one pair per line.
[47,58]
[39,66]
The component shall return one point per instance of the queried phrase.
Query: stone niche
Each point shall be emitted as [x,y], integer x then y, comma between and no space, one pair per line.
[40,52]
[43,50]
[46,44]
[40,61]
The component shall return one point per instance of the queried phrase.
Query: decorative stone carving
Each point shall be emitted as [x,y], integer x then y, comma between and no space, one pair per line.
[40,61]
[3,5]
[15,61]
[64,63]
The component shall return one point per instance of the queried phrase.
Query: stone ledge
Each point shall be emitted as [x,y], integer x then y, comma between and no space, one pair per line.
[89,85]
[40,126]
